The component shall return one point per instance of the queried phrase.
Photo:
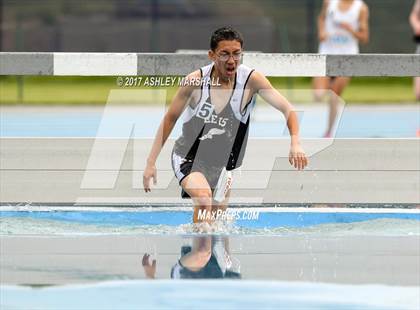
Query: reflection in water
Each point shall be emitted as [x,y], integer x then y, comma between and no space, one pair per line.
[209,257]
[59,260]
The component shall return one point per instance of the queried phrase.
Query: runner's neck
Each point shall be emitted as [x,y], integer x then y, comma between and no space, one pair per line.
[223,81]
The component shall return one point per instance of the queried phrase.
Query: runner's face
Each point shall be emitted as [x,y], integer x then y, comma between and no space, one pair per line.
[227,57]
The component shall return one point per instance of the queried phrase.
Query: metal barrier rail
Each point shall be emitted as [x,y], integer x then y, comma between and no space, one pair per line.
[113,64]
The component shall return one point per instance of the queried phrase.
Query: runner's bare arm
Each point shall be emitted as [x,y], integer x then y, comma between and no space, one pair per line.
[322,34]
[362,34]
[415,18]
[261,85]
[180,100]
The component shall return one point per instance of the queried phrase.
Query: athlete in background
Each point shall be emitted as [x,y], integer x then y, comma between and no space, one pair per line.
[342,24]
[415,24]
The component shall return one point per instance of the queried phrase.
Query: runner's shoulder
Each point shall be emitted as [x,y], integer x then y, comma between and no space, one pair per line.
[192,78]
[258,81]
[190,84]
[364,7]
[195,74]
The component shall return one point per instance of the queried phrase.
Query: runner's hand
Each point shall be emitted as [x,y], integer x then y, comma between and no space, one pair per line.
[148,174]
[347,27]
[297,157]
[149,269]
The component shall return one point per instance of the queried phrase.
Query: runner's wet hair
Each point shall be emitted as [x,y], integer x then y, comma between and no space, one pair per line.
[225,33]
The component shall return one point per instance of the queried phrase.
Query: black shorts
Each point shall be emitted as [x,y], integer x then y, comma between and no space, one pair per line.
[183,167]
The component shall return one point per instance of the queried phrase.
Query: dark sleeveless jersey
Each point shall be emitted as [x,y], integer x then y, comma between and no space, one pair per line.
[217,139]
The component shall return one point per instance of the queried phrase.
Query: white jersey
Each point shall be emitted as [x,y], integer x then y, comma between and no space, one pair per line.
[218,139]
[339,40]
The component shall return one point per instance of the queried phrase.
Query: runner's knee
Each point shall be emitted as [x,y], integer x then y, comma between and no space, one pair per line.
[319,94]
[203,197]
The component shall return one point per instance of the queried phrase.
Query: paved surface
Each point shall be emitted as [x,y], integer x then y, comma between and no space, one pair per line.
[109,171]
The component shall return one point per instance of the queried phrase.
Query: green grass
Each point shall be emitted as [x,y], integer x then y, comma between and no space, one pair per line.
[41,90]
[361,89]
